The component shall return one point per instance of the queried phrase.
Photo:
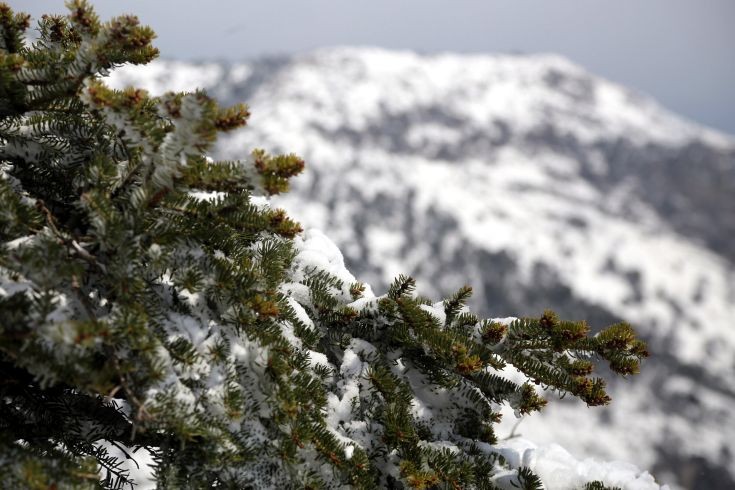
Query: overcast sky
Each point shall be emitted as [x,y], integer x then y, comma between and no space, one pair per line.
[682,52]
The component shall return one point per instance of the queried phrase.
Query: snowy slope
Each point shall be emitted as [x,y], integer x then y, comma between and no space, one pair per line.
[541,186]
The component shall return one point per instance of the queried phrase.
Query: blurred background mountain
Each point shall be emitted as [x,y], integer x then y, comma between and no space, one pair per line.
[530,177]
[542,186]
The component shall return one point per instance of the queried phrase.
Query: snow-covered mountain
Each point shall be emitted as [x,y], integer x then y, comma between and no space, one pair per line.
[540,185]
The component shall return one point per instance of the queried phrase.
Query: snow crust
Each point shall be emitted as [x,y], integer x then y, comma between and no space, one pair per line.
[559,470]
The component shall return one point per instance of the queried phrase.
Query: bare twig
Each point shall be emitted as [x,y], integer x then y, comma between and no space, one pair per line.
[69,242]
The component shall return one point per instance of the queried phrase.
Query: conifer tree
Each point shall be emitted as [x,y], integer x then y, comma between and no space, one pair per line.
[151,298]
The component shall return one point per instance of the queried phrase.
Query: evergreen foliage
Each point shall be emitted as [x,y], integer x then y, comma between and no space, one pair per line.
[150,298]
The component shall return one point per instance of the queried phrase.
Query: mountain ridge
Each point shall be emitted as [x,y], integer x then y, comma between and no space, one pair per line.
[539,184]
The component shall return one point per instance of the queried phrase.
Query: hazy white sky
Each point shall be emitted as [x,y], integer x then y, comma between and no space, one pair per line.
[682,52]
